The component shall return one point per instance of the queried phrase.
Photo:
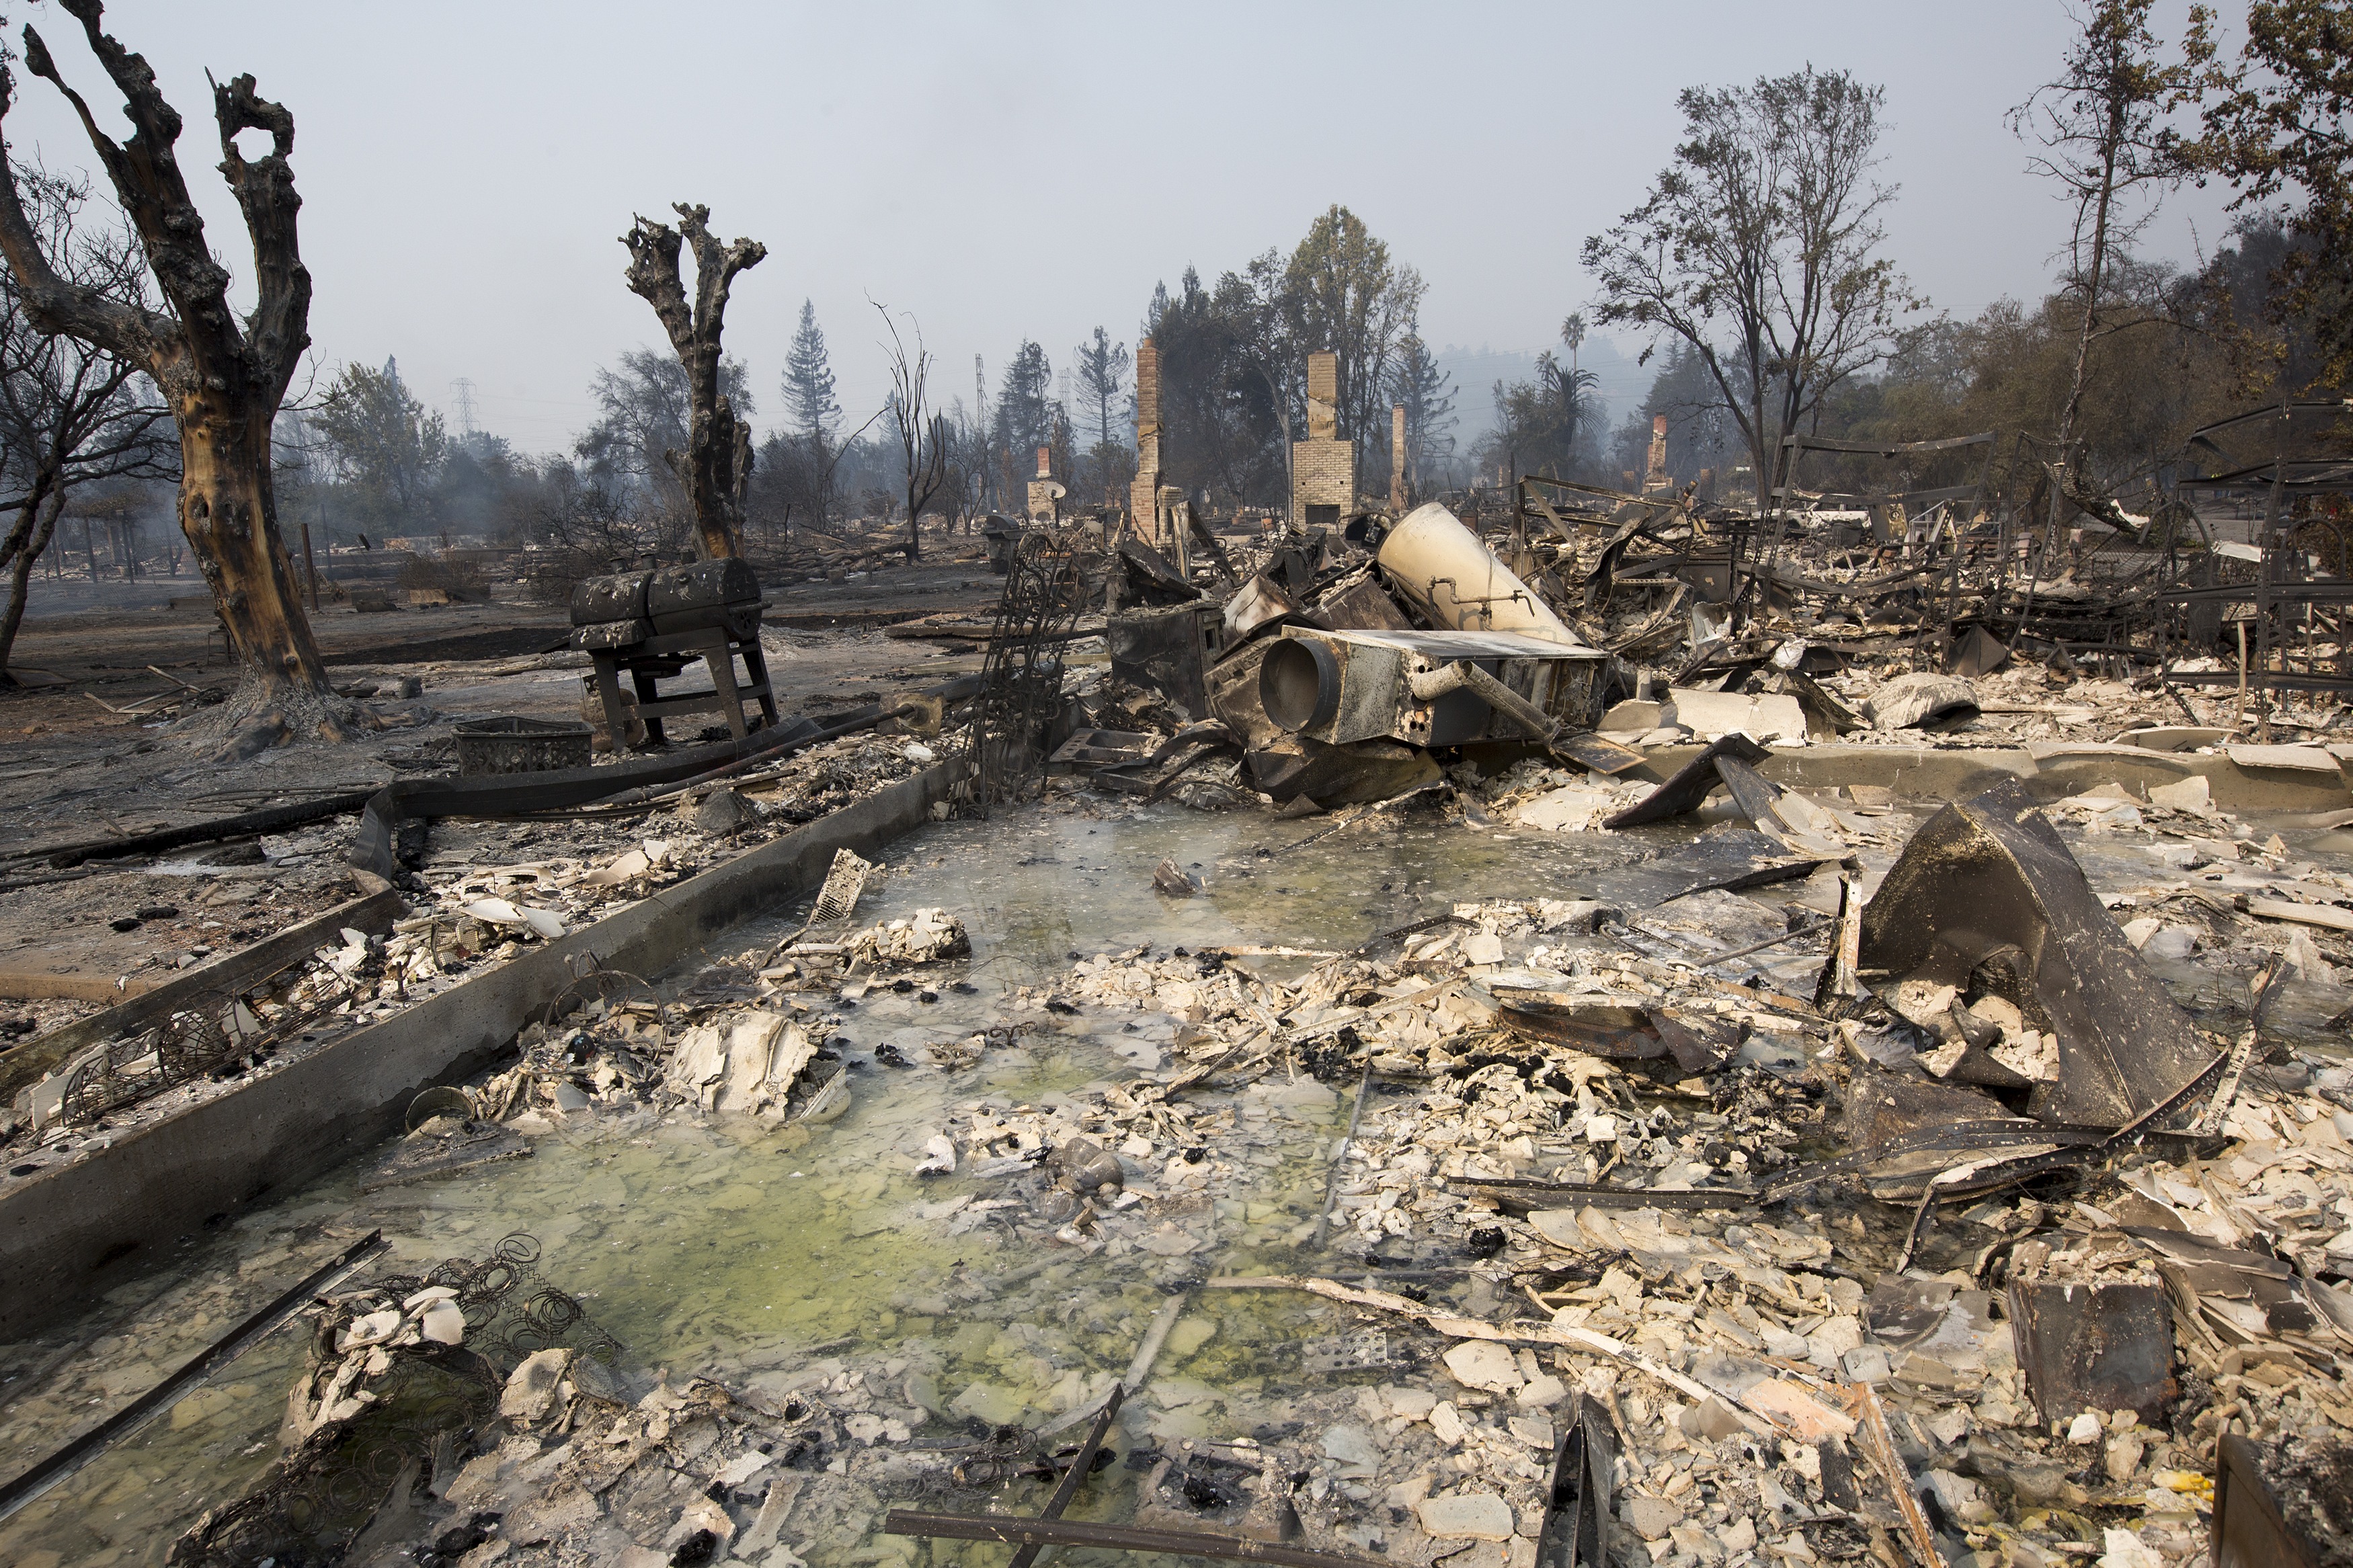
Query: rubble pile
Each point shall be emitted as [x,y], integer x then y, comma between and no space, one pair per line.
[485,895]
[1578,1189]
[1829,1181]
[1340,667]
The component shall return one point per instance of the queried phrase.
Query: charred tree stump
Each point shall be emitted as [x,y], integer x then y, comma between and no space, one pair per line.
[223,376]
[716,467]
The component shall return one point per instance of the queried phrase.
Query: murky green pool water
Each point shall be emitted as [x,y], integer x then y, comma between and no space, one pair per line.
[749,1253]
[737,1250]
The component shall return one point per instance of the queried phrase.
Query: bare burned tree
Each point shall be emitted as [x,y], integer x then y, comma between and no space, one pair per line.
[716,467]
[71,415]
[925,435]
[223,376]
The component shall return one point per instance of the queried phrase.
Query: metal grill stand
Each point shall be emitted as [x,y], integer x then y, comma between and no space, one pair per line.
[653,625]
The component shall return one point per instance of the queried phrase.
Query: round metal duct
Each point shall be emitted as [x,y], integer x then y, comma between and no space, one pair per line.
[1299,684]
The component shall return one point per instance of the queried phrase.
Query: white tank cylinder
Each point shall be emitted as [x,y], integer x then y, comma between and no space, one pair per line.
[1458,582]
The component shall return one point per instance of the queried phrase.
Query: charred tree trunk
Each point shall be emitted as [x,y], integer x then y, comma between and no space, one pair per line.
[228,510]
[716,467]
[37,522]
[224,375]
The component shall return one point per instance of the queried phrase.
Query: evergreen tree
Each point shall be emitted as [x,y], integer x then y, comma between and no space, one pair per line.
[1103,377]
[808,379]
[1025,408]
[1428,394]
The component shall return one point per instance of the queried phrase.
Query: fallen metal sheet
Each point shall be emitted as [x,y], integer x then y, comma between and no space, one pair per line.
[2247,1293]
[2095,1347]
[1903,1311]
[1148,577]
[1690,784]
[1589,750]
[1987,895]
[1163,650]
[1257,603]
[1105,749]
[1979,653]
[1354,774]
[2250,1529]
[1576,1532]
[1115,1538]
[1364,1351]
[1359,606]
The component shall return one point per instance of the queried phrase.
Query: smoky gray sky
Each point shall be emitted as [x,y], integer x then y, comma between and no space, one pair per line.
[1010,171]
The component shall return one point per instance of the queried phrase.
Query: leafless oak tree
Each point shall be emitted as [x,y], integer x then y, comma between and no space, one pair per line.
[223,376]
[925,435]
[716,467]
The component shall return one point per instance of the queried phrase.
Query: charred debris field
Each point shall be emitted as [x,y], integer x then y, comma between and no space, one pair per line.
[1249,1049]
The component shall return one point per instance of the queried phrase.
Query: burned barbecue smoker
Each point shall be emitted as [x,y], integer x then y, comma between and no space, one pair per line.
[652,624]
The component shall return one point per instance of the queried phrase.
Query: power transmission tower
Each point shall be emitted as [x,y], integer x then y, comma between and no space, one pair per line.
[464,387]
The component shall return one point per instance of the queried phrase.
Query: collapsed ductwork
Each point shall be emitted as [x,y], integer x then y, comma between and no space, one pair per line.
[1427,688]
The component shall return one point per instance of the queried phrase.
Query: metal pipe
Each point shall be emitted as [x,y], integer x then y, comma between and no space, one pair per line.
[17,1493]
[1464,675]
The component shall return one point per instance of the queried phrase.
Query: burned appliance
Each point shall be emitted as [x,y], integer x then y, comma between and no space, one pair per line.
[1428,689]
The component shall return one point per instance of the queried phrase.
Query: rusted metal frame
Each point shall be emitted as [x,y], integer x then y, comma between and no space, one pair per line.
[1888,448]
[1075,1477]
[1620,496]
[2286,409]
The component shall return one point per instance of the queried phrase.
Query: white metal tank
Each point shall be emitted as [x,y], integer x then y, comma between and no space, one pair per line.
[1458,582]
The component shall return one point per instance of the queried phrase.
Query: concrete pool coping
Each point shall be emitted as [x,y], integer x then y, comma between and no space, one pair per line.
[1939,773]
[90,1225]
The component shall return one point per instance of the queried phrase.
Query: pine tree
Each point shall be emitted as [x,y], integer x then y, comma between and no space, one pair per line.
[1025,407]
[1428,394]
[1103,377]
[808,379]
